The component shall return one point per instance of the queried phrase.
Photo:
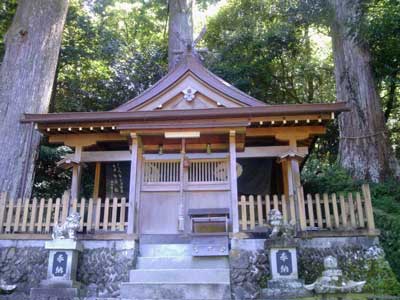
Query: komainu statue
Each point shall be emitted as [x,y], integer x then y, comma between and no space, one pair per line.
[332,280]
[279,228]
[276,222]
[68,229]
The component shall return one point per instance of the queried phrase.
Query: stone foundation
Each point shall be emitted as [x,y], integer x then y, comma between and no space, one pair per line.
[361,258]
[249,268]
[25,266]
[102,266]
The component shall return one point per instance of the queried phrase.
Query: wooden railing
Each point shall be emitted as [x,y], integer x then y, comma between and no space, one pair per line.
[324,212]
[254,210]
[315,212]
[41,215]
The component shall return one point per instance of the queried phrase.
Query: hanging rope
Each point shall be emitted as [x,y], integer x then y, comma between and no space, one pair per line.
[383,132]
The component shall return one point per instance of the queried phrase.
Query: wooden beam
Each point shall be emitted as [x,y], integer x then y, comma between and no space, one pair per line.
[269,151]
[286,133]
[233,176]
[291,119]
[188,155]
[207,129]
[83,140]
[132,184]
[113,156]
[189,147]
[105,156]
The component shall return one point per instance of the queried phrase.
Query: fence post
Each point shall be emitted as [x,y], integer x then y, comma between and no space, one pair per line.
[65,206]
[301,209]
[368,207]
[3,198]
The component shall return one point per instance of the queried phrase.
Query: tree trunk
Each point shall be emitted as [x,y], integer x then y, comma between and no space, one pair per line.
[180,29]
[26,79]
[364,147]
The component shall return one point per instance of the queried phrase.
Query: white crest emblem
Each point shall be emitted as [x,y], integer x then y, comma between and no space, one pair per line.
[189,94]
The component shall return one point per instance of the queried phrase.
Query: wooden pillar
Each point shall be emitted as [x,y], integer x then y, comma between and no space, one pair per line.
[285,177]
[96,186]
[76,173]
[132,184]
[181,204]
[297,191]
[233,176]
[295,170]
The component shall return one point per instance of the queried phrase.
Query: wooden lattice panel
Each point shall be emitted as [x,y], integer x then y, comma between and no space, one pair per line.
[161,172]
[210,171]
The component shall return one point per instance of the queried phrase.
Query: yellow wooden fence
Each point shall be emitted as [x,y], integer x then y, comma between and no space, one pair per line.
[315,212]
[41,215]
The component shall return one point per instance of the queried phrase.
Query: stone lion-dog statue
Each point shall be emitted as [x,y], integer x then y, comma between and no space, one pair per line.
[68,229]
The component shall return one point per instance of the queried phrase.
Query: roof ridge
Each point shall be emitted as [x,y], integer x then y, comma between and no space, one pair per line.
[191,63]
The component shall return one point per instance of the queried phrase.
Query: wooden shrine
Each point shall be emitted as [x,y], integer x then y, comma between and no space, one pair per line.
[190,142]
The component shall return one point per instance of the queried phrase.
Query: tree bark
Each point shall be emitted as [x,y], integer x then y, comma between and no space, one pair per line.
[180,29]
[26,80]
[364,147]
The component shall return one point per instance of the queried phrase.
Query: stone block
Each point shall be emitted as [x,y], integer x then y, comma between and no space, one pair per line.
[182,262]
[283,262]
[278,289]
[134,291]
[198,276]
[53,293]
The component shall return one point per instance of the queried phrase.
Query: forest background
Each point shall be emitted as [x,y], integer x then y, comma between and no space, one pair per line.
[277,51]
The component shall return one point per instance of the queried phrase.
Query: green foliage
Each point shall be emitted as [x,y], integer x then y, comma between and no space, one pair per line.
[380,278]
[260,48]
[7,11]
[50,181]
[386,202]
[381,29]
[358,263]
[319,178]
[111,51]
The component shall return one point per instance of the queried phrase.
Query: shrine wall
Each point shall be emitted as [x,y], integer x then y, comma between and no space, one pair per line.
[102,265]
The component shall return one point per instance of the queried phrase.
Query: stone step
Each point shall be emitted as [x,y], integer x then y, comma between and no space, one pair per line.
[146,250]
[182,262]
[180,276]
[193,291]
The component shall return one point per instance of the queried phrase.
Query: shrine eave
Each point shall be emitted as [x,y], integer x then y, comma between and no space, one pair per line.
[172,115]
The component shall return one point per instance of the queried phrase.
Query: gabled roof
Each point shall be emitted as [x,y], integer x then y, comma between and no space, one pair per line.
[190,64]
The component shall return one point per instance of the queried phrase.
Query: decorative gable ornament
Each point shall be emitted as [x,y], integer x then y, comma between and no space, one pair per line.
[189,94]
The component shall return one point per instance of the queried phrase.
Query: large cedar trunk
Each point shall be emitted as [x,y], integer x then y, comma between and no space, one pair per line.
[364,147]
[180,31]
[26,79]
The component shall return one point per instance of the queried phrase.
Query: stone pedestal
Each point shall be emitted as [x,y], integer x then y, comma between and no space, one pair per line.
[61,271]
[283,265]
